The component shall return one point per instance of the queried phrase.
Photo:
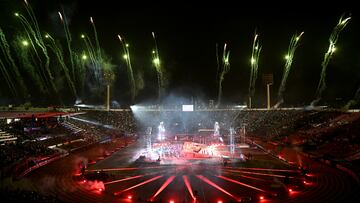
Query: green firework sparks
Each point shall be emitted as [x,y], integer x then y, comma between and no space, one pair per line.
[223,69]
[256,50]
[294,43]
[14,70]
[328,55]
[59,55]
[159,70]
[127,58]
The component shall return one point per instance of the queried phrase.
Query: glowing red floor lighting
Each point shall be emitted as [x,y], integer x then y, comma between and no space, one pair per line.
[125,179]
[245,176]
[129,197]
[243,184]
[216,186]
[188,186]
[264,169]
[290,190]
[122,169]
[112,169]
[307,183]
[261,174]
[137,185]
[151,167]
[219,201]
[171,201]
[261,197]
[164,185]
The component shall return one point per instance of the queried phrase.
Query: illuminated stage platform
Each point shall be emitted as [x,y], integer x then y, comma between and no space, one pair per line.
[261,178]
[185,171]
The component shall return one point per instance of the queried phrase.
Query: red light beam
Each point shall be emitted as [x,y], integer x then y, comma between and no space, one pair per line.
[261,174]
[164,185]
[137,185]
[112,169]
[151,167]
[245,176]
[216,186]
[122,169]
[124,179]
[188,186]
[244,184]
[264,169]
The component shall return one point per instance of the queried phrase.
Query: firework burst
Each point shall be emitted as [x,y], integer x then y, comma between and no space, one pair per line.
[294,43]
[223,68]
[256,50]
[328,55]
[127,58]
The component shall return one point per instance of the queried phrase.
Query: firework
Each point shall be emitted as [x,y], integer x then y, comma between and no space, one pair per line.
[332,47]
[7,78]
[96,37]
[40,43]
[28,61]
[93,57]
[256,50]
[31,60]
[127,58]
[353,101]
[11,63]
[223,69]
[100,64]
[294,43]
[80,62]
[159,69]
[33,33]
[63,20]
[58,53]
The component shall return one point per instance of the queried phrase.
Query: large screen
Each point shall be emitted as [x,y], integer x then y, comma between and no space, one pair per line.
[187,107]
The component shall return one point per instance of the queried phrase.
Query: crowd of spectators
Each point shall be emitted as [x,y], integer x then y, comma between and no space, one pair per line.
[328,135]
[42,139]
[13,153]
[123,121]
[180,122]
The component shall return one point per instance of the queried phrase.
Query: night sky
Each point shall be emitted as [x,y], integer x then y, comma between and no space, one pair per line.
[187,34]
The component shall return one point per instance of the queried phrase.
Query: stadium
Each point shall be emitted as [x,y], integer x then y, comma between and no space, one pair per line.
[170,155]
[184,107]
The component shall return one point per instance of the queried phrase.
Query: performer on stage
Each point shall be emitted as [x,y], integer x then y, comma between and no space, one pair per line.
[161,133]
